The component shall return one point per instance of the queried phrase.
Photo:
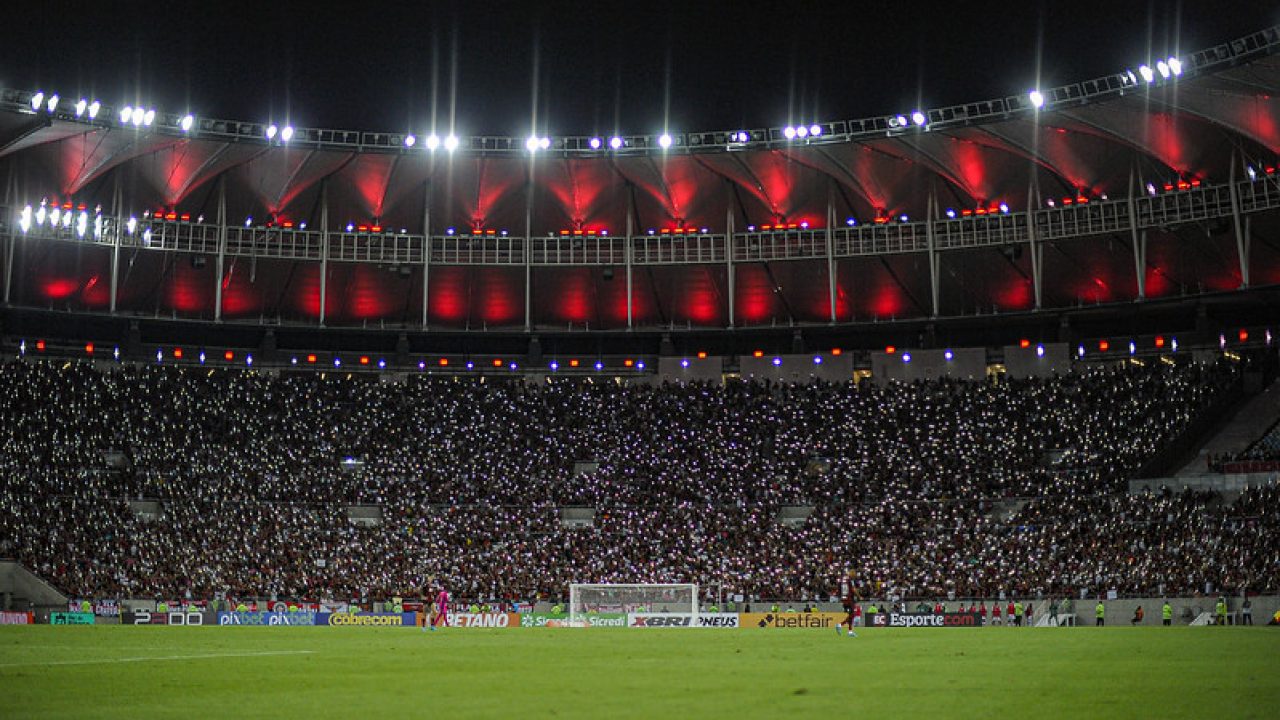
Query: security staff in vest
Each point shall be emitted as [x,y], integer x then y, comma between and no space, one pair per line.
[1221,611]
[1101,613]
[86,606]
[871,614]
[1166,613]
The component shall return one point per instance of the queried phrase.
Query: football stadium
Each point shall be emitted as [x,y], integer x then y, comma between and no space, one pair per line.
[955,409]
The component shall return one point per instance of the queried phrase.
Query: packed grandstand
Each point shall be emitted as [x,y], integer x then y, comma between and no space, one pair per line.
[1135,208]
[933,489]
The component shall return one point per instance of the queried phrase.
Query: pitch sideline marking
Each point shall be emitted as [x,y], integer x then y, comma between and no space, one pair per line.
[159,657]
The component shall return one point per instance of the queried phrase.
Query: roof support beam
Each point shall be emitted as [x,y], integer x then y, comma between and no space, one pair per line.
[1037,249]
[728,257]
[831,246]
[426,251]
[220,263]
[1139,239]
[116,206]
[324,246]
[1242,235]
[933,255]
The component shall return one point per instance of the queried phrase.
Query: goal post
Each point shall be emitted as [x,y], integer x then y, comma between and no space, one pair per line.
[591,598]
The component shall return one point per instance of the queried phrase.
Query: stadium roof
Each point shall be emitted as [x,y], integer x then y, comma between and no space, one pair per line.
[1102,140]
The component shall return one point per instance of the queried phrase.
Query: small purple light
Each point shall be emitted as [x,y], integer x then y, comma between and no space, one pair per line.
[777,361]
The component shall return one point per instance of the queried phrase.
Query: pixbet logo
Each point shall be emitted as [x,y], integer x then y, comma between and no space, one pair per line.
[658,621]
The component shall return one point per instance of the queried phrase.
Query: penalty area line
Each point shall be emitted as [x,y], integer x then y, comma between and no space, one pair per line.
[158,658]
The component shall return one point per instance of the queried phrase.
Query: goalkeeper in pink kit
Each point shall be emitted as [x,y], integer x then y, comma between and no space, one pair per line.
[441,609]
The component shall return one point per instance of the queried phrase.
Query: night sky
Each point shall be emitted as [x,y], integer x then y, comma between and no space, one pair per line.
[635,67]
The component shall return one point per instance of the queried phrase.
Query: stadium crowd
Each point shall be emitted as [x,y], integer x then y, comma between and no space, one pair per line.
[945,488]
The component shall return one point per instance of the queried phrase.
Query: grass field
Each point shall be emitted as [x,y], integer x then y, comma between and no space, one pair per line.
[131,672]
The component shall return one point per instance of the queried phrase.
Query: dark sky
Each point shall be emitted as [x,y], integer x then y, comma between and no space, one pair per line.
[602,67]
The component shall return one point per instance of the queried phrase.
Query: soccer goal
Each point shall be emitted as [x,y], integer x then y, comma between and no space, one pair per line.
[591,599]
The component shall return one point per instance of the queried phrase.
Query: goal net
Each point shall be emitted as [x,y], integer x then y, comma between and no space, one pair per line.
[588,599]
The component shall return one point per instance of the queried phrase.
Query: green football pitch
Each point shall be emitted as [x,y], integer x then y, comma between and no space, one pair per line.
[132,672]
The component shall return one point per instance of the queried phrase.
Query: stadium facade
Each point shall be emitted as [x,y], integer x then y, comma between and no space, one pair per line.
[1145,200]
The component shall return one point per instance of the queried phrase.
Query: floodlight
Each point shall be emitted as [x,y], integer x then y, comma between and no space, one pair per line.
[544,143]
[286,134]
[664,141]
[94,107]
[37,101]
[271,131]
[918,117]
[53,102]
[616,142]
[531,144]
[81,106]
[789,132]
[1175,66]
[451,143]
[815,130]
[138,116]
[1146,73]
[902,121]
[149,117]
[433,142]
[1163,68]
[410,141]
[802,132]
[1004,208]
[186,123]
[594,143]
[1037,99]
[951,213]
[125,114]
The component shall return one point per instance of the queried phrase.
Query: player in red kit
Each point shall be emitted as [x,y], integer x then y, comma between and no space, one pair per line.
[850,607]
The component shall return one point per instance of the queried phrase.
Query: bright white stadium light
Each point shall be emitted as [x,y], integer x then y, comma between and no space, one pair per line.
[789,132]
[410,141]
[286,134]
[815,130]
[664,141]
[451,143]
[81,106]
[433,142]
[531,144]
[94,107]
[1175,66]
[53,102]
[902,121]
[918,117]
[187,122]
[544,143]
[24,219]
[131,225]
[1147,73]
[138,116]
[40,215]
[1004,208]
[37,101]
[54,216]
[149,118]
[82,224]
[66,219]
[594,143]
[616,142]
[802,132]
[271,131]
[951,213]
[1162,67]
[1037,99]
